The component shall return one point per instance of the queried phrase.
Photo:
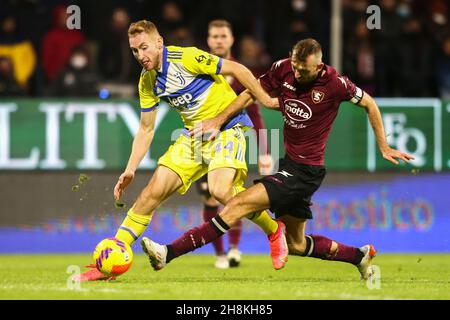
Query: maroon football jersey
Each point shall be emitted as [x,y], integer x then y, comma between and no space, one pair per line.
[308,111]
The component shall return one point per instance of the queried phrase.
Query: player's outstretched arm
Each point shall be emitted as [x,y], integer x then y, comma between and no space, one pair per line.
[376,122]
[141,144]
[246,78]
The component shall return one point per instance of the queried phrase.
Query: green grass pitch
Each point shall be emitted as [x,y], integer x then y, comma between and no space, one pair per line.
[412,276]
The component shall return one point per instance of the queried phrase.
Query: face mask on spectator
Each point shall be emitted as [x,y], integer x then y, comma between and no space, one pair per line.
[404,10]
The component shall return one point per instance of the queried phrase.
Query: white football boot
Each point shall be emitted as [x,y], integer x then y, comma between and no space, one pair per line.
[156,253]
[365,266]
[234,257]
[222,262]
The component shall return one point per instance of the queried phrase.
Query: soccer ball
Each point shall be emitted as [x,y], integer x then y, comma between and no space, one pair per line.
[113,257]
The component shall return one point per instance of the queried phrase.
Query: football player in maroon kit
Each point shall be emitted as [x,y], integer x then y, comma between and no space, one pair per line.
[220,41]
[309,94]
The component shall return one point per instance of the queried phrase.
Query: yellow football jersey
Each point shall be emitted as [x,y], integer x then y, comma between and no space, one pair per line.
[190,82]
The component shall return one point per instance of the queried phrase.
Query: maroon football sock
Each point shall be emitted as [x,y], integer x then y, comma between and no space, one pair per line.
[234,235]
[197,237]
[319,247]
[210,212]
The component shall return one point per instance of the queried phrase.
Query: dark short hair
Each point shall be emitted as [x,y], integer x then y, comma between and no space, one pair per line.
[304,48]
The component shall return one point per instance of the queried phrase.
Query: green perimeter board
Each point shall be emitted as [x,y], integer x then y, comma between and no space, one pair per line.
[422,126]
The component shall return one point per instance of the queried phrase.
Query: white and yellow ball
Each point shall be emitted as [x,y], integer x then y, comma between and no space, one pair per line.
[113,257]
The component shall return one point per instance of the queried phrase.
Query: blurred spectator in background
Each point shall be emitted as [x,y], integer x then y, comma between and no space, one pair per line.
[19,50]
[438,19]
[115,60]
[8,84]
[359,62]
[415,60]
[398,60]
[443,69]
[173,27]
[352,14]
[253,56]
[58,44]
[77,79]
[387,53]
[290,22]
[404,8]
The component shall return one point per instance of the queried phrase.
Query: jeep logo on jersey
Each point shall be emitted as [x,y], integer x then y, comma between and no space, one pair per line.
[297,110]
[317,96]
[181,100]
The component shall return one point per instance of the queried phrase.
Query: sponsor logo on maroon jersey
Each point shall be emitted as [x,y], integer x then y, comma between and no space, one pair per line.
[317,96]
[290,87]
[297,110]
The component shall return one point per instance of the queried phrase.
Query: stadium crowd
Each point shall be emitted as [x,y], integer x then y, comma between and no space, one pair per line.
[39,56]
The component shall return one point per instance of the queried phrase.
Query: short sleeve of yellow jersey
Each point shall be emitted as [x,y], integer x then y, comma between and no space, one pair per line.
[148,100]
[201,62]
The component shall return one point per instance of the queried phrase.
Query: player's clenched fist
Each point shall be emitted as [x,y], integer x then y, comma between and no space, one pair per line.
[124,180]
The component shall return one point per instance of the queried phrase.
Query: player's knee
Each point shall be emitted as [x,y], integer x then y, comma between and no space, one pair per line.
[150,197]
[210,201]
[220,194]
[234,209]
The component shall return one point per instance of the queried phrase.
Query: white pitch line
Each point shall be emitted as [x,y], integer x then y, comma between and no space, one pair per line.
[48,288]
[344,296]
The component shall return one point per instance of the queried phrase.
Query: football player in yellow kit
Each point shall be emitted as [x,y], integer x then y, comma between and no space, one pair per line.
[191,81]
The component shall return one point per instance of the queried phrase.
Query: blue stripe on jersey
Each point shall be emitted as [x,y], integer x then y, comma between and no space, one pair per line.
[241,118]
[200,84]
[219,66]
[149,109]
[160,85]
[135,237]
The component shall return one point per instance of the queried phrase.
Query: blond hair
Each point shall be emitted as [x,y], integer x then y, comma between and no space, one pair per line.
[220,23]
[142,26]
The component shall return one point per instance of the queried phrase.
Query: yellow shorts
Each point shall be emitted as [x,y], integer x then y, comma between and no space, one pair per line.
[192,158]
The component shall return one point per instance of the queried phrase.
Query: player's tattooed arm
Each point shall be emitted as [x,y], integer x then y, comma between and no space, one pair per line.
[376,122]
[141,144]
